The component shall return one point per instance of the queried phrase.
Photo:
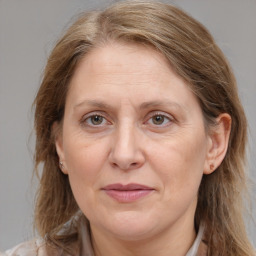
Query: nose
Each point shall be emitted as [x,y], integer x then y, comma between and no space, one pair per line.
[126,151]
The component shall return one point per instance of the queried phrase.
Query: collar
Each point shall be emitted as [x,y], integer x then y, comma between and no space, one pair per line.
[194,250]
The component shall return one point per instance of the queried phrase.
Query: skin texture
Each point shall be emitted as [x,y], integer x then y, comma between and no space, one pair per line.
[150,131]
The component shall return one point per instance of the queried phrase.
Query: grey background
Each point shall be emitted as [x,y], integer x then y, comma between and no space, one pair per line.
[28,30]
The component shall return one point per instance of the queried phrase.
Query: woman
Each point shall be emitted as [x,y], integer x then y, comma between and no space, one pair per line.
[142,138]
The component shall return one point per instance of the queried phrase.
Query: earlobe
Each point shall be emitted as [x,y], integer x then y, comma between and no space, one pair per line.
[56,130]
[218,143]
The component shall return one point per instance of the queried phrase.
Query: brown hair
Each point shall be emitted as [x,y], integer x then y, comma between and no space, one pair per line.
[194,55]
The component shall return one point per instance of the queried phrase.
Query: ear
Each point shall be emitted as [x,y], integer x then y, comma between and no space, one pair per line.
[218,143]
[57,131]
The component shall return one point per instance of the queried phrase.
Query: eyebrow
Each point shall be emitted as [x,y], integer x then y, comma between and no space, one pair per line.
[145,105]
[94,103]
[161,103]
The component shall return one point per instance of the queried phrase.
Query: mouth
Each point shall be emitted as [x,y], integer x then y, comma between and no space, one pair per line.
[127,193]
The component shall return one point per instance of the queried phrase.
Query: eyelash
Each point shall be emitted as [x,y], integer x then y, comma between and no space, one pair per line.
[167,119]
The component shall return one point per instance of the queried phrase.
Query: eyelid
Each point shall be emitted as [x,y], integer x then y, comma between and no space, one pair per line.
[161,113]
[92,113]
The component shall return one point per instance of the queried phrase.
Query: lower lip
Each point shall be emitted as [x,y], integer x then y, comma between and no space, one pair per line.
[127,196]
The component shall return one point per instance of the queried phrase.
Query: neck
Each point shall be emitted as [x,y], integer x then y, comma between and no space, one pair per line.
[174,241]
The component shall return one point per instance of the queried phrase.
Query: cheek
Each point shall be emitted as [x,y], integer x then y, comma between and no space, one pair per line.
[84,163]
[84,159]
[179,162]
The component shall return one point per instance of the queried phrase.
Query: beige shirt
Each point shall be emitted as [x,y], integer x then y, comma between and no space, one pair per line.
[37,247]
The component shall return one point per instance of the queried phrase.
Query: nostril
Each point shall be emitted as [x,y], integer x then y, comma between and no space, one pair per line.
[125,166]
[114,164]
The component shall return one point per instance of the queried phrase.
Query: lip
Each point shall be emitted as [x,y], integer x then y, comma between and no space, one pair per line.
[127,193]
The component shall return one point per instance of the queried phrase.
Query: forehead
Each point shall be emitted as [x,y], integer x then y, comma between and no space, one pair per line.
[127,71]
[123,58]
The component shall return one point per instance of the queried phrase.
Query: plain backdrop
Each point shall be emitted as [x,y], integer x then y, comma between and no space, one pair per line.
[28,31]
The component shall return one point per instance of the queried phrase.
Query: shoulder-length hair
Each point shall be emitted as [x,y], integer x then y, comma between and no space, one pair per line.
[193,54]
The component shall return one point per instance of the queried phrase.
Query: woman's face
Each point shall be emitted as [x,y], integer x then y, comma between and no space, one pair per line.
[133,143]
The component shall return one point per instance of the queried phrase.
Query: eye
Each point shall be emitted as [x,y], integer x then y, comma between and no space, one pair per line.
[159,119]
[94,120]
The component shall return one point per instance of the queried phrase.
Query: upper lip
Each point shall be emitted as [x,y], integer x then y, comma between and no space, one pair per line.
[131,186]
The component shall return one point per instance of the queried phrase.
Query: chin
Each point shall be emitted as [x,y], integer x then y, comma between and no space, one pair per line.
[132,233]
[131,226]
